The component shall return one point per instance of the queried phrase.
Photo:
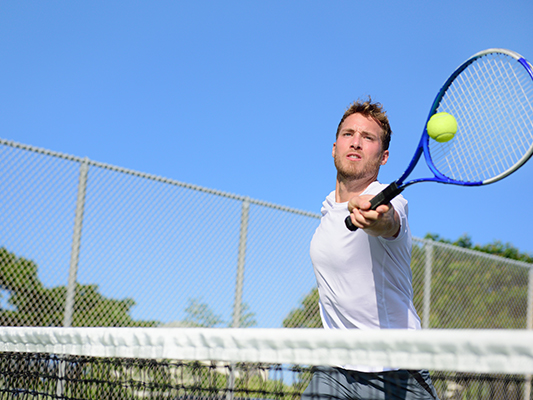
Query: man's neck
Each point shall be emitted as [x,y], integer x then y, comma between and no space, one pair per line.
[346,189]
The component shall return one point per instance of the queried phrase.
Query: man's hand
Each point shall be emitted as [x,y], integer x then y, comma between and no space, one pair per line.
[383,221]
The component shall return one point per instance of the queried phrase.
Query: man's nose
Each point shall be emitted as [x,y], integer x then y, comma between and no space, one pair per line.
[356,141]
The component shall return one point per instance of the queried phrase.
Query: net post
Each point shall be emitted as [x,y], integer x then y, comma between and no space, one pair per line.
[76,242]
[427,283]
[231,382]
[60,386]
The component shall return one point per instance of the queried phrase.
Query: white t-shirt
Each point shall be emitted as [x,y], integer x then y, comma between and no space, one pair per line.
[364,282]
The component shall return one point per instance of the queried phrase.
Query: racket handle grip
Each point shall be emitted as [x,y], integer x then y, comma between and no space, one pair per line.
[383,197]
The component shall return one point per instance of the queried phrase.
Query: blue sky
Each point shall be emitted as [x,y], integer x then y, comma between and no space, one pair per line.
[245,96]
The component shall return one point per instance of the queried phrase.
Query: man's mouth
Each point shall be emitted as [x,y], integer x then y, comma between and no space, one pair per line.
[353,156]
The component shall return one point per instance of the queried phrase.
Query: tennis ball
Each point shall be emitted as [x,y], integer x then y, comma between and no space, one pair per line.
[442,127]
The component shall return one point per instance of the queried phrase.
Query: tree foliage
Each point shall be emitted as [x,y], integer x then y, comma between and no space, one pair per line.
[247,317]
[498,248]
[467,291]
[200,314]
[470,291]
[32,304]
[307,315]
[473,291]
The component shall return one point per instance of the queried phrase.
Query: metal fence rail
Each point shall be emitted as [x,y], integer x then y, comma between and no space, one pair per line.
[84,243]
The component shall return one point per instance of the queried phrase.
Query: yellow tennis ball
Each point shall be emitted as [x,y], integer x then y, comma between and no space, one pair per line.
[442,127]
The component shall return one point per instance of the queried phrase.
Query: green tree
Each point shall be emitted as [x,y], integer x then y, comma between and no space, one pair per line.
[470,291]
[498,248]
[32,304]
[307,315]
[247,317]
[199,314]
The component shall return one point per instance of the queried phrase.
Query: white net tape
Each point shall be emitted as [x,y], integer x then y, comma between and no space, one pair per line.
[484,351]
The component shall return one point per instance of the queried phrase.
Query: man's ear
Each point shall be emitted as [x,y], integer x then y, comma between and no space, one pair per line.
[384,157]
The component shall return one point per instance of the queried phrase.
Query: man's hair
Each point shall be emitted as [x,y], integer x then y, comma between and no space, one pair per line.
[374,111]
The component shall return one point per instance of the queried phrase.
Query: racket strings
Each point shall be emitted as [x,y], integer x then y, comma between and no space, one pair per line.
[492,100]
[473,158]
[467,158]
[500,95]
[523,114]
[489,116]
[513,143]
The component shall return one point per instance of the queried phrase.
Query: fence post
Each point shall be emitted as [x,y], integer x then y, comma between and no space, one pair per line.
[427,283]
[529,326]
[529,321]
[76,242]
[237,307]
[239,282]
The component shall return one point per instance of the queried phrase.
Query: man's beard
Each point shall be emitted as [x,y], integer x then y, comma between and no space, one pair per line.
[353,171]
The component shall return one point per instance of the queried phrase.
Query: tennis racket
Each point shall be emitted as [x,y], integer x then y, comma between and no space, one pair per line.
[491,97]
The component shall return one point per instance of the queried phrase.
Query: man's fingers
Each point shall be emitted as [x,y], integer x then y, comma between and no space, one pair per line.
[382,209]
[359,204]
[362,219]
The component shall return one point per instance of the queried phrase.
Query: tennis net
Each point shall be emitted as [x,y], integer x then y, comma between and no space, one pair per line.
[228,364]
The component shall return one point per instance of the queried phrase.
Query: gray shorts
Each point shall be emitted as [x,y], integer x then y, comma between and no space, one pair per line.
[339,384]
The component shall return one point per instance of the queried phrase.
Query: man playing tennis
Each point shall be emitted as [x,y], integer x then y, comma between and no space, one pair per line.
[364,277]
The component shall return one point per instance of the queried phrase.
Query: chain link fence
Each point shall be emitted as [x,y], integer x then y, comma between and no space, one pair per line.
[88,244]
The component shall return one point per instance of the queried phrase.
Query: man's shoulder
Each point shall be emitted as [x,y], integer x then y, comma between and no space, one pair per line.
[329,203]
[375,187]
